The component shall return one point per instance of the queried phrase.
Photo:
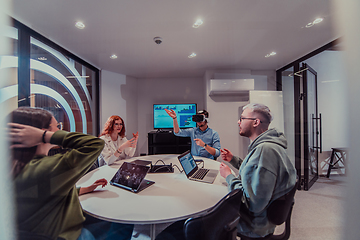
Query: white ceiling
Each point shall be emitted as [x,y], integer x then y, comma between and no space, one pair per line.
[236,34]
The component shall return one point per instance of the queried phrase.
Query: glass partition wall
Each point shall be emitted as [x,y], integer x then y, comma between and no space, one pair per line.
[52,78]
[312,87]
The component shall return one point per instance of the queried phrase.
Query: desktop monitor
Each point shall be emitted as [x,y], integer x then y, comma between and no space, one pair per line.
[184,113]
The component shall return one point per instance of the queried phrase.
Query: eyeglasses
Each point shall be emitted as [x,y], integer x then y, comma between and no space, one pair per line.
[59,125]
[119,124]
[242,118]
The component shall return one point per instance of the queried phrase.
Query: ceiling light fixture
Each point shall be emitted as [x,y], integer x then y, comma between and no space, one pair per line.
[316,21]
[42,58]
[198,23]
[192,55]
[270,54]
[113,56]
[80,25]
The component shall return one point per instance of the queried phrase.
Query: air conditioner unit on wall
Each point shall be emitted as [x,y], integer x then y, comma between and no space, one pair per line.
[231,86]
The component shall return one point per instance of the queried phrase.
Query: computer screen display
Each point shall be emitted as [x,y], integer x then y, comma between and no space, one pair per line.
[184,112]
[187,162]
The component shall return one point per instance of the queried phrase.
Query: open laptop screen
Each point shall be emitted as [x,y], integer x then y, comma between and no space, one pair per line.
[187,162]
[130,175]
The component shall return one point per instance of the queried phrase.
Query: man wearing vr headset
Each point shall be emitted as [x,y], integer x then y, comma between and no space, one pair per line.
[205,142]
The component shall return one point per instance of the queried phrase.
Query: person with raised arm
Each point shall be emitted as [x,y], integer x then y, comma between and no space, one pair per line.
[205,142]
[47,200]
[117,146]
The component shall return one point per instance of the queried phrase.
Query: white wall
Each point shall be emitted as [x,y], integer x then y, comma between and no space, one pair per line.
[332,91]
[332,103]
[174,90]
[225,110]
[133,100]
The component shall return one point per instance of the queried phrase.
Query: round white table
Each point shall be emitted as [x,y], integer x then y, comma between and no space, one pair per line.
[173,197]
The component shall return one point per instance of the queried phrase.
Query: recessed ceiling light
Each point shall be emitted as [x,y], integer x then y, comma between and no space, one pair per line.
[192,55]
[270,54]
[316,21]
[80,25]
[42,58]
[198,23]
[113,56]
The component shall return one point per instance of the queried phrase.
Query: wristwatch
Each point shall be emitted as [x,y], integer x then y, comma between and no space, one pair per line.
[205,145]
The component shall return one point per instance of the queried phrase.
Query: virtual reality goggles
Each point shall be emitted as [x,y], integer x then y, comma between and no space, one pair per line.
[199,118]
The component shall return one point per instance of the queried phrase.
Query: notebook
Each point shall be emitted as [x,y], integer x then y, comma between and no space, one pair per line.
[193,172]
[131,177]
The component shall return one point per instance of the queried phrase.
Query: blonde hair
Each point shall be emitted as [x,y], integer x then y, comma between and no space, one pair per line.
[263,110]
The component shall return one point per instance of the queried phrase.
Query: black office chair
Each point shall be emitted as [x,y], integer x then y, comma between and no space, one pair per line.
[25,235]
[219,223]
[279,212]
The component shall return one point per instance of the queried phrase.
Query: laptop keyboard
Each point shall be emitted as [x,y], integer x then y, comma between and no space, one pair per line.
[200,174]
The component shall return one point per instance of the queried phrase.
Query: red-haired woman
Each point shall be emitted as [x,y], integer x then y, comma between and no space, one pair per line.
[116,144]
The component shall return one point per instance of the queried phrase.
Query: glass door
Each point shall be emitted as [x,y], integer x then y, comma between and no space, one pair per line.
[311,122]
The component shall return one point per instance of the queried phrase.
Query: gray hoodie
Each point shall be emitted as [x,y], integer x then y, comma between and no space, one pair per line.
[265,174]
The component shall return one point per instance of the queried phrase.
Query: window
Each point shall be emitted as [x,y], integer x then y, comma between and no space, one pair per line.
[54,79]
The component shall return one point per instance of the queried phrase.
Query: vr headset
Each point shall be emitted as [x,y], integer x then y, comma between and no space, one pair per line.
[199,118]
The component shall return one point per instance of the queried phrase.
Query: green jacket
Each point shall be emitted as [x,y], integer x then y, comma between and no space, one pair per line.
[46,197]
[265,174]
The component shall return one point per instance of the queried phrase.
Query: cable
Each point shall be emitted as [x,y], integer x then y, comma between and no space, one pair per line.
[198,163]
[159,161]
[167,166]
[162,167]
[159,168]
[178,168]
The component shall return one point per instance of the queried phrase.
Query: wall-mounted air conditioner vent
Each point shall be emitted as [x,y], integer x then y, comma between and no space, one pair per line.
[233,87]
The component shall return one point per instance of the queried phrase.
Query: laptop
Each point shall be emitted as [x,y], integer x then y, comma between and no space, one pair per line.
[131,177]
[193,172]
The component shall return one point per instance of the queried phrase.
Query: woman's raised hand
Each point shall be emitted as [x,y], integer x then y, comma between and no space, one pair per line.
[136,135]
[129,143]
[24,136]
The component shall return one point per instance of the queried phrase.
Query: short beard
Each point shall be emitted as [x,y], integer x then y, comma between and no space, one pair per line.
[245,134]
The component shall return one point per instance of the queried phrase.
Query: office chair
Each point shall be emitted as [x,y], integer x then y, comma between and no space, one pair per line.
[25,235]
[279,212]
[219,223]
